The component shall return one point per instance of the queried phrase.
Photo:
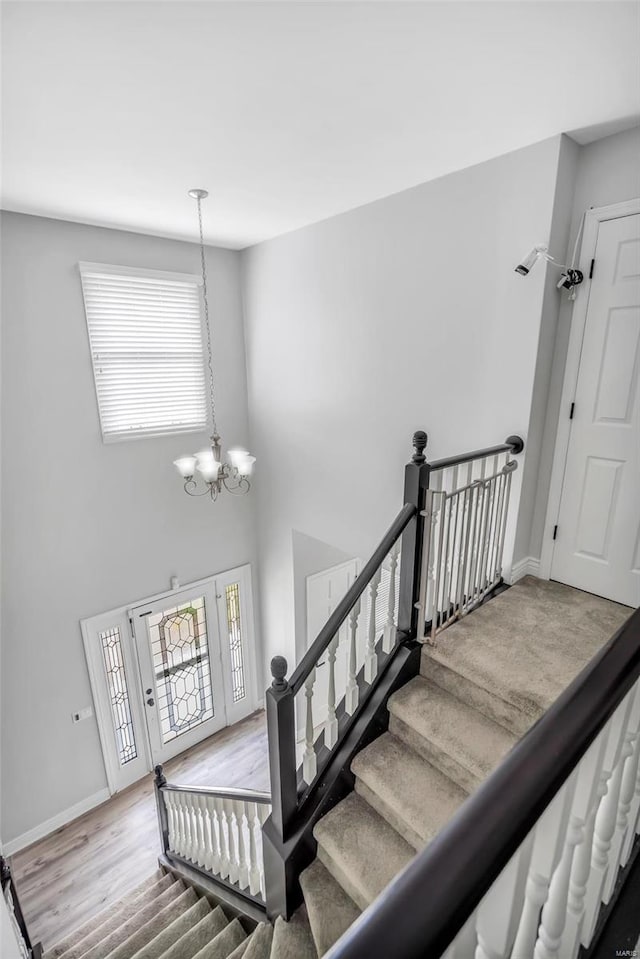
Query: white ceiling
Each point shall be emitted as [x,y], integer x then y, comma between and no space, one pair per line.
[288,112]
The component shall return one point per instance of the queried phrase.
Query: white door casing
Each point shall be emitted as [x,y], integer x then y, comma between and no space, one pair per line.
[595,492]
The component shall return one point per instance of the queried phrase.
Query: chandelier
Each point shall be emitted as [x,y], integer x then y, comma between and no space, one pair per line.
[215,473]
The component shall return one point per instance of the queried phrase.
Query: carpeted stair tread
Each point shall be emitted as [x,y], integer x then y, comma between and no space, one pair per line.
[346,837]
[198,937]
[458,740]
[224,944]
[181,925]
[293,939]
[330,910]
[100,925]
[239,951]
[141,928]
[523,648]
[411,794]
[259,943]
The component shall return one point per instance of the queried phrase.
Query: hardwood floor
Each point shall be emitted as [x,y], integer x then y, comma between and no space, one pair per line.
[83,867]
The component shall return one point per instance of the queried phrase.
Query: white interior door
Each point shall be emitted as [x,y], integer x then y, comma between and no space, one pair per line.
[178,646]
[597,546]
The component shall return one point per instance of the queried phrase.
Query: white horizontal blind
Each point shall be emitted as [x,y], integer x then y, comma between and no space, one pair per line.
[145,332]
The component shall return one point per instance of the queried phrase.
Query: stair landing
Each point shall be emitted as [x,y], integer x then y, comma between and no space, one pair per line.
[524,647]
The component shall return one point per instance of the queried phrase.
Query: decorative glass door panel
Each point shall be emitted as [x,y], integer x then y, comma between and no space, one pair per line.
[233,592]
[179,652]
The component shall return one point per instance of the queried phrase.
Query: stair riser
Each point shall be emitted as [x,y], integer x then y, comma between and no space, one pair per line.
[442,761]
[340,876]
[384,810]
[488,703]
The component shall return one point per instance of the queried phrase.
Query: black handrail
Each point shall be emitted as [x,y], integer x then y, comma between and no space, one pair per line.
[351,597]
[448,879]
[512,444]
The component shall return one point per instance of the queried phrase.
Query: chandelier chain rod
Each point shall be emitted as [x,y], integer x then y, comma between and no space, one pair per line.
[205,298]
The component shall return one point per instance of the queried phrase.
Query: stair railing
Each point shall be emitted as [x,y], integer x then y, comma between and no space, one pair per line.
[28,950]
[466,509]
[530,861]
[216,833]
[308,735]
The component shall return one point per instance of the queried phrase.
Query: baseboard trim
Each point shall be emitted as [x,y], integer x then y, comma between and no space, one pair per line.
[529,566]
[56,822]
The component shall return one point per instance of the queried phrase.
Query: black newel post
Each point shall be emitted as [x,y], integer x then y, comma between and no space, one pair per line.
[416,483]
[279,872]
[163,821]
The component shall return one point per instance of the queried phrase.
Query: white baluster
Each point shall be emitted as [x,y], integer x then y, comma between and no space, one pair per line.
[225,829]
[232,832]
[214,853]
[254,870]
[181,837]
[186,825]
[499,910]
[627,788]
[331,725]
[589,790]
[352,693]
[389,635]
[605,824]
[554,912]
[243,858]
[309,759]
[371,659]
[264,812]
[203,844]
[634,823]
[171,819]
[547,840]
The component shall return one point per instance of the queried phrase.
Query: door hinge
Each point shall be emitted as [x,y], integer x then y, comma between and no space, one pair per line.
[131,627]
[555,531]
[593,263]
[572,410]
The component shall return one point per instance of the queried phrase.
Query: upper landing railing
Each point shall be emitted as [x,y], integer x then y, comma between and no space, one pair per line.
[217,833]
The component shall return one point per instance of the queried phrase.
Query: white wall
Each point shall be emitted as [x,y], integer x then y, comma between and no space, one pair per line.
[403,314]
[88,526]
[608,171]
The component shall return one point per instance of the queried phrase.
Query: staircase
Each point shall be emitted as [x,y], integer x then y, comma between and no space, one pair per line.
[449,727]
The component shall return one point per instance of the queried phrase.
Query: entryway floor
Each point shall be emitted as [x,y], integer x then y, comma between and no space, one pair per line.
[82,868]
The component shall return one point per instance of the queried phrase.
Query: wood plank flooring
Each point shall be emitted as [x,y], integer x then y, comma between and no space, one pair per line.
[82,868]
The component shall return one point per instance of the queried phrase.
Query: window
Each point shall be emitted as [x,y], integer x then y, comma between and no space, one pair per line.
[145,334]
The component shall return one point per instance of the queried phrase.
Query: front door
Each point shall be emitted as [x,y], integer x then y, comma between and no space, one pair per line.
[178,646]
[597,545]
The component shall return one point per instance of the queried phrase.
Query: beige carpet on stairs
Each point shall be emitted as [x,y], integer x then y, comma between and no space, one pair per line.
[488,679]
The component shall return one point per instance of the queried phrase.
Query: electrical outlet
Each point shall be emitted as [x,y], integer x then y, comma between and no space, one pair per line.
[85,713]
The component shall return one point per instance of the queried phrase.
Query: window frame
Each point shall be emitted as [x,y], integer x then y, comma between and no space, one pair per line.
[109,269]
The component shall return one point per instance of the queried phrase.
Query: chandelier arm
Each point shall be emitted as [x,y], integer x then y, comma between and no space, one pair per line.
[191,487]
[242,485]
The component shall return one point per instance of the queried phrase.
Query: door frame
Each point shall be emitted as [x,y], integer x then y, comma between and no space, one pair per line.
[93,657]
[593,218]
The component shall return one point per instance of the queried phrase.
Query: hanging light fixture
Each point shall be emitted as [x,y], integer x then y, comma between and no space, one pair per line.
[215,473]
